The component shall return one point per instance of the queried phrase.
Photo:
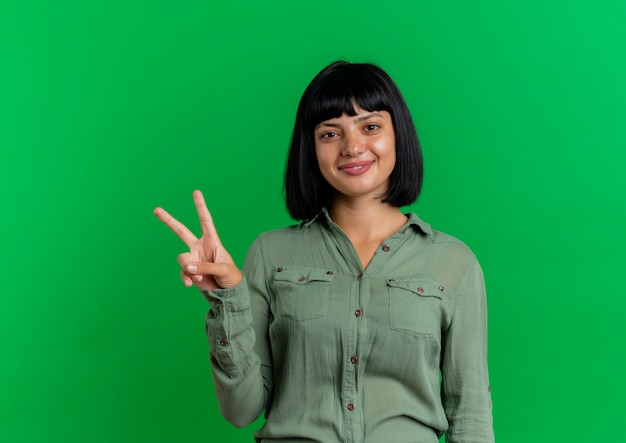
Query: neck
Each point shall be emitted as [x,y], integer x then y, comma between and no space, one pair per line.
[366,220]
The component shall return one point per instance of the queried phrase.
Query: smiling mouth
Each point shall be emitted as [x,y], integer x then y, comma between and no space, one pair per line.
[356,165]
[356,168]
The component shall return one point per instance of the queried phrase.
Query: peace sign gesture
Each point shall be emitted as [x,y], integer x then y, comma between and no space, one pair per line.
[207,264]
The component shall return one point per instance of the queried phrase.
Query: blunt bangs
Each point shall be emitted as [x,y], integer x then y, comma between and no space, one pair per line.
[338,91]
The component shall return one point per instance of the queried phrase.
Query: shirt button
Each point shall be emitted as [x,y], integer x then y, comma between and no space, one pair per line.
[354,359]
[358,313]
[330,273]
[279,269]
[360,277]
[301,279]
[420,290]
[223,342]
[386,248]
[350,407]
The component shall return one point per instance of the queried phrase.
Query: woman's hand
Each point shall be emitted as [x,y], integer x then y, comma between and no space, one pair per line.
[207,264]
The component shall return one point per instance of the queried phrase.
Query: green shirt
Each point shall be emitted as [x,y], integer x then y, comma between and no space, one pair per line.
[336,353]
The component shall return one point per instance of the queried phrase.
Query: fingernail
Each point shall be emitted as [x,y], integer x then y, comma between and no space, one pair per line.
[192,268]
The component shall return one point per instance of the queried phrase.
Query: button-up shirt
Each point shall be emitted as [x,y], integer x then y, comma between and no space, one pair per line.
[333,352]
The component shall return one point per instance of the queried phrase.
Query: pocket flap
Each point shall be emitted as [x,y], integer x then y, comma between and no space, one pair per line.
[423,288]
[302,275]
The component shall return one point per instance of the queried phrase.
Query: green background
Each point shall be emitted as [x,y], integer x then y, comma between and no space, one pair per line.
[110,108]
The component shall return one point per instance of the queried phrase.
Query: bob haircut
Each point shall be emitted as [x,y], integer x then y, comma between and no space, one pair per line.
[331,93]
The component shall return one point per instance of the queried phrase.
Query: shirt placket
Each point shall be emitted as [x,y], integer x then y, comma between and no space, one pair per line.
[356,327]
[344,252]
[356,324]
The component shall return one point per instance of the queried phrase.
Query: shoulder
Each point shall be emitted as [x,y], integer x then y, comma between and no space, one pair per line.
[448,261]
[298,245]
[446,255]
[453,244]
[455,256]
[289,242]
[289,233]
[440,241]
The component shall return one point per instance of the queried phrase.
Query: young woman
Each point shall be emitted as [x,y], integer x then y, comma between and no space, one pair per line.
[340,328]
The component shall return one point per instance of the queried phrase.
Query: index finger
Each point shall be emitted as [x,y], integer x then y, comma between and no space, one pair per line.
[177,227]
[206,221]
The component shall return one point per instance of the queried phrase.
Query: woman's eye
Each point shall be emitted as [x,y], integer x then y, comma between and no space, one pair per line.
[371,127]
[330,134]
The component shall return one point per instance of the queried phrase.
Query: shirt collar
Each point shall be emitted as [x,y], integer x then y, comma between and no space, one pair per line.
[419,224]
[413,220]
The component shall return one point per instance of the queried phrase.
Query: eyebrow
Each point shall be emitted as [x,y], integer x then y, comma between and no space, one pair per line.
[357,120]
[367,116]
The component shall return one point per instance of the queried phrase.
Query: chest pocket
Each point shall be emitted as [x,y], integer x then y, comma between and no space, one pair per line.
[415,306]
[301,293]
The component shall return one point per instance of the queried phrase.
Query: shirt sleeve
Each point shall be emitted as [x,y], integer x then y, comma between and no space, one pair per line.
[465,379]
[236,327]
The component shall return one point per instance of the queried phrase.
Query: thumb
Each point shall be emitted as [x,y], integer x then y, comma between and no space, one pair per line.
[226,275]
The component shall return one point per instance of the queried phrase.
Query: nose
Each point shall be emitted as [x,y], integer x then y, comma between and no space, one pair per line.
[353,145]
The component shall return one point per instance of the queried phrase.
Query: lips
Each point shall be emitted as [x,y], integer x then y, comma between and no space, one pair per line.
[356,168]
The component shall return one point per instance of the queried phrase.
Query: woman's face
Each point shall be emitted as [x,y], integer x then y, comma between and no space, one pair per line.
[356,154]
